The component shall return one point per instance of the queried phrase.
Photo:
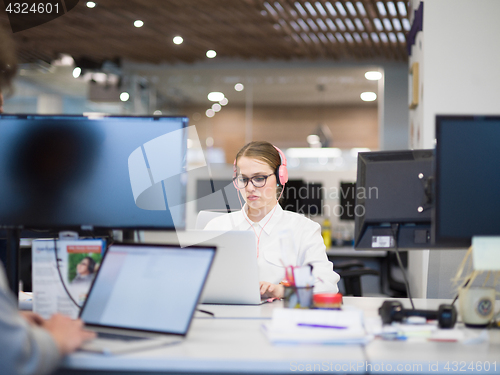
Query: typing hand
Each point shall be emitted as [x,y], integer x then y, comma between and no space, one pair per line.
[268,290]
[67,333]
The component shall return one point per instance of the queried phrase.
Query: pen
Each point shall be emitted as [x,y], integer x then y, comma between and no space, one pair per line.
[319,326]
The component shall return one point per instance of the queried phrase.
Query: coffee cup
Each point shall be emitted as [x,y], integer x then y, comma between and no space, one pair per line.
[476,305]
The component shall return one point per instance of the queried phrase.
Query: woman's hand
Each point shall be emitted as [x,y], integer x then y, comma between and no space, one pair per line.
[268,290]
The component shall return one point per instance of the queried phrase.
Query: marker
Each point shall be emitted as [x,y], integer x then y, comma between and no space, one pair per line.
[319,326]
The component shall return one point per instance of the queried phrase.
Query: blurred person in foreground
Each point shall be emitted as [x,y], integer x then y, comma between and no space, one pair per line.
[30,344]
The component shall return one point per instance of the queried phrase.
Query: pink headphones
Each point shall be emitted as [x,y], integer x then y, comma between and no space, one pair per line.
[281,172]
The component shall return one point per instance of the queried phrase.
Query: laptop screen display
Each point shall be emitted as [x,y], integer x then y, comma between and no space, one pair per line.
[148,287]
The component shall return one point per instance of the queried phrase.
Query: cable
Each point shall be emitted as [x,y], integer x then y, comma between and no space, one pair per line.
[407,286]
[206,312]
[60,276]
[466,283]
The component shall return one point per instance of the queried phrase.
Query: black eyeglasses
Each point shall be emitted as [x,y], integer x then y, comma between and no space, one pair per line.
[257,181]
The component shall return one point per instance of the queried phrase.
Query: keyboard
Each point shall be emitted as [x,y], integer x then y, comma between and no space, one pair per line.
[117,336]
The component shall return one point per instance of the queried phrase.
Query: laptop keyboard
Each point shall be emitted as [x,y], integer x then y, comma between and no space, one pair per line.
[117,336]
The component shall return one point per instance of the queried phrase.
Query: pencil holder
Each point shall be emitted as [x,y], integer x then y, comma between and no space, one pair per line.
[298,297]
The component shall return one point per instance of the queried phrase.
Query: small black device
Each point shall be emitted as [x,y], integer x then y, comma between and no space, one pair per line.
[393,311]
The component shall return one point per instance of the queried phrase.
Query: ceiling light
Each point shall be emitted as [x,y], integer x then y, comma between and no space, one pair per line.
[77,71]
[330,8]
[361,8]
[320,8]
[223,101]
[210,112]
[312,139]
[209,141]
[239,87]
[381,8]
[178,40]
[138,23]
[63,60]
[350,8]
[124,96]
[368,96]
[215,96]
[373,75]
[310,8]
[91,4]
[216,107]
[341,9]
[211,53]
[157,112]
[402,8]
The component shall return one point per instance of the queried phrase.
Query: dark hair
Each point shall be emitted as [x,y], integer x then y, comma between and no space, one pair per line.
[262,151]
[91,265]
[8,60]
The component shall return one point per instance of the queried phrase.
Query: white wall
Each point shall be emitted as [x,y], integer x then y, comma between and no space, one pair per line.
[459,74]
[393,107]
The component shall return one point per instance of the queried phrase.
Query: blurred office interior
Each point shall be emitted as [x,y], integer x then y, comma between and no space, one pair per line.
[322,80]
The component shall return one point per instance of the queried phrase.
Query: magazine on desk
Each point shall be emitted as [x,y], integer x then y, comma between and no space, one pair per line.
[78,264]
[316,326]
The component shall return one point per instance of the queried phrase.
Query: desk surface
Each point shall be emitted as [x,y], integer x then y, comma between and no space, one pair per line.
[232,342]
[351,252]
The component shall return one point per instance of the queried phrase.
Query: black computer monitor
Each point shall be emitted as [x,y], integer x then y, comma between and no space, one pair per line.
[467,179]
[393,200]
[303,197]
[75,172]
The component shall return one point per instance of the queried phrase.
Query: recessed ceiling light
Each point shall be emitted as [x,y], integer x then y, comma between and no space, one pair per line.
[178,40]
[215,96]
[138,23]
[216,107]
[124,96]
[91,4]
[239,87]
[223,101]
[211,53]
[157,112]
[368,96]
[210,112]
[77,71]
[373,75]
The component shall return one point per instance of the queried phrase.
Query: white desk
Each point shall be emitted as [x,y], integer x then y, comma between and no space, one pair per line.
[351,252]
[233,343]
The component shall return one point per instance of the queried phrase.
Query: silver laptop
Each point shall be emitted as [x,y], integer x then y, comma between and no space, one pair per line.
[234,277]
[144,296]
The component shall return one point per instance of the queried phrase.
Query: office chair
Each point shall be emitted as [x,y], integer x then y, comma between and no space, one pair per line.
[350,272]
[395,284]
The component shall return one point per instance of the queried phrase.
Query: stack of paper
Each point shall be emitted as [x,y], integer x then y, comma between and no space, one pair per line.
[316,327]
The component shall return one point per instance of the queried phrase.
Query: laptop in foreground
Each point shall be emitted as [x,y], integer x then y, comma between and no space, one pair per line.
[144,296]
[234,277]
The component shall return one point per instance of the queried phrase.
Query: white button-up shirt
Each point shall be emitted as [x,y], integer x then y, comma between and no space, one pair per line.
[305,245]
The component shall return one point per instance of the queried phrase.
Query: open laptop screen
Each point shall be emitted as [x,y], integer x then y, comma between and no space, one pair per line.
[148,287]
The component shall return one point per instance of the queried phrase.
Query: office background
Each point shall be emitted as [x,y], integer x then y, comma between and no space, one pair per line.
[294,79]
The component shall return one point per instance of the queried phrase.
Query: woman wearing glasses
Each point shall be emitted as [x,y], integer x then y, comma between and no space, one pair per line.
[259,174]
